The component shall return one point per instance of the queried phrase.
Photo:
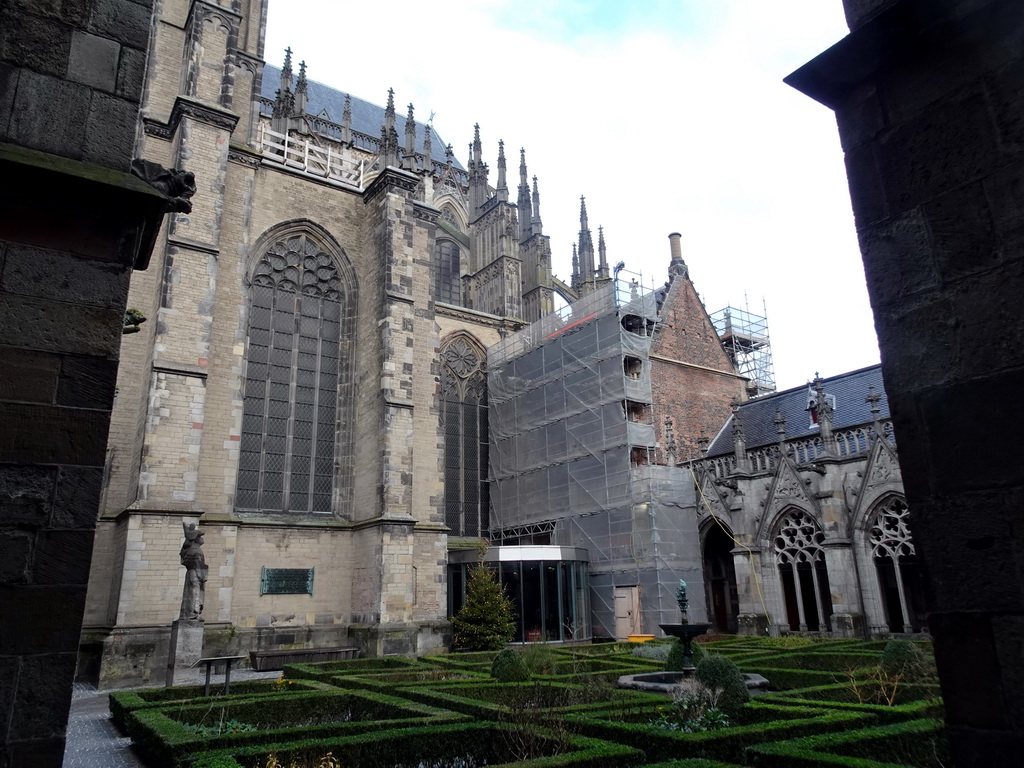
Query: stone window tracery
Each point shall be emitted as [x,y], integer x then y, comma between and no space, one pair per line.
[892,550]
[464,426]
[800,558]
[447,272]
[290,391]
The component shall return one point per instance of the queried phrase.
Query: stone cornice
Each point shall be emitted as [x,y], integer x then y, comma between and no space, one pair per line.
[391,179]
[425,212]
[478,318]
[218,117]
[244,156]
[156,128]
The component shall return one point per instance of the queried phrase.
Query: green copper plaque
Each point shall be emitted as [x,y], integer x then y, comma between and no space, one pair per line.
[286,581]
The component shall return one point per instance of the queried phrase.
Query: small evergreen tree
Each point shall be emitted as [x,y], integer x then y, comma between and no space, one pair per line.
[487,621]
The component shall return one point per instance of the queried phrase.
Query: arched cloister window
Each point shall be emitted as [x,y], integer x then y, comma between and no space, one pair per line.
[800,557]
[447,272]
[464,426]
[297,360]
[899,580]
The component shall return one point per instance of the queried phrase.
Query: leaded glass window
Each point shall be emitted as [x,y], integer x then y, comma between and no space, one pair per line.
[290,390]
[464,425]
[447,272]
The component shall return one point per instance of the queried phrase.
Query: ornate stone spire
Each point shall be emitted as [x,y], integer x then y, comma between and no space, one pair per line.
[525,207]
[824,406]
[301,91]
[575,269]
[284,102]
[286,70]
[873,399]
[780,427]
[477,174]
[428,149]
[586,250]
[346,120]
[409,154]
[739,441]
[602,265]
[538,226]
[502,189]
[388,134]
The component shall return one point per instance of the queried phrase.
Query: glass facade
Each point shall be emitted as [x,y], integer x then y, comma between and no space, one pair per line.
[548,586]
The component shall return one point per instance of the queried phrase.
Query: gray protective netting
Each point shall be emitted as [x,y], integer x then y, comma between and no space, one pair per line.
[572,441]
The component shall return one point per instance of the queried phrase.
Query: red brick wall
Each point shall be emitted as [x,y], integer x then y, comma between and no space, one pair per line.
[695,398]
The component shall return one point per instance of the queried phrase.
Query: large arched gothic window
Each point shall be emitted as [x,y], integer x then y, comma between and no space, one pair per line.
[447,272]
[895,560]
[800,557]
[464,425]
[296,360]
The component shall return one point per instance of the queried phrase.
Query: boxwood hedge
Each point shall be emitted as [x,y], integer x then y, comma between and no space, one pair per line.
[914,743]
[435,746]
[163,738]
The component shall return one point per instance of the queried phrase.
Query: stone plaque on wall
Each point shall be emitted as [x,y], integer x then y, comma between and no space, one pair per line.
[286,581]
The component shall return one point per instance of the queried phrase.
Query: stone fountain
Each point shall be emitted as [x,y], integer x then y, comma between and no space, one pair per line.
[666,682]
[685,631]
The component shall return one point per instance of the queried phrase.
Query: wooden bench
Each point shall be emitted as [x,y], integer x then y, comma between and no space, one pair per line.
[263,661]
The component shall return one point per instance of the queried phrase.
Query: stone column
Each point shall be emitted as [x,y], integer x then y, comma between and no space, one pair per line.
[931,116]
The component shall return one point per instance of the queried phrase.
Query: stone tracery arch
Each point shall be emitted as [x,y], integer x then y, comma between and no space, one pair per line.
[463,415]
[798,546]
[295,438]
[896,601]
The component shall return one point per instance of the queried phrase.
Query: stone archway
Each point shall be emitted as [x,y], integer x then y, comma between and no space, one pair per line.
[720,580]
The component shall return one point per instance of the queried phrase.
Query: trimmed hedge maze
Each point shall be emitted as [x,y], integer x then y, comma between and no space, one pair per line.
[832,703]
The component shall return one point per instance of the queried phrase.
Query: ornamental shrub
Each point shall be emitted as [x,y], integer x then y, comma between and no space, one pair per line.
[509,667]
[487,621]
[724,683]
[904,659]
[674,662]
[540,659]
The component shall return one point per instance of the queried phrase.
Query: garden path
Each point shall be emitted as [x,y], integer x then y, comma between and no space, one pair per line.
[92,739]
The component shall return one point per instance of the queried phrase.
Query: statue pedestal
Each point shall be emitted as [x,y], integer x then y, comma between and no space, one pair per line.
[185,650]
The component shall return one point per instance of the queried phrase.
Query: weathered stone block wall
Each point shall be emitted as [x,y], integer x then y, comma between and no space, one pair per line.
[71,222]
[929,103]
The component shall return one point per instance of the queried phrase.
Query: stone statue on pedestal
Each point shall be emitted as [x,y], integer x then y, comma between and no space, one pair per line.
[195,574]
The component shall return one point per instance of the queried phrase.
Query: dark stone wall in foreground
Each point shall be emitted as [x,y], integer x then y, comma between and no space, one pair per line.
[73,225]
[929,97]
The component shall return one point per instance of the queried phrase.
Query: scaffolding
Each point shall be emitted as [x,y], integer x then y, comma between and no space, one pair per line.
[745,337]
[573,453]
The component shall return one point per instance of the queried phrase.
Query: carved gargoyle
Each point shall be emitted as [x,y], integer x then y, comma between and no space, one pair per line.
[177,184]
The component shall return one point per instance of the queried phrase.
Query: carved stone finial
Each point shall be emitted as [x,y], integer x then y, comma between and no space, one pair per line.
[780,425]
[873,399]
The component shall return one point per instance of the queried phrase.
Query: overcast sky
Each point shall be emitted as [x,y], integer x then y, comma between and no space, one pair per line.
[669,116]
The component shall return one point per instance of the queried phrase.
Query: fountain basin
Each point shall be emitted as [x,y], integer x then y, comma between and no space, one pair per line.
[662,682]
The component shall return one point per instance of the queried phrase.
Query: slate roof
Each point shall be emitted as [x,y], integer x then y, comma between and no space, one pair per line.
[757,416]
[366,117]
